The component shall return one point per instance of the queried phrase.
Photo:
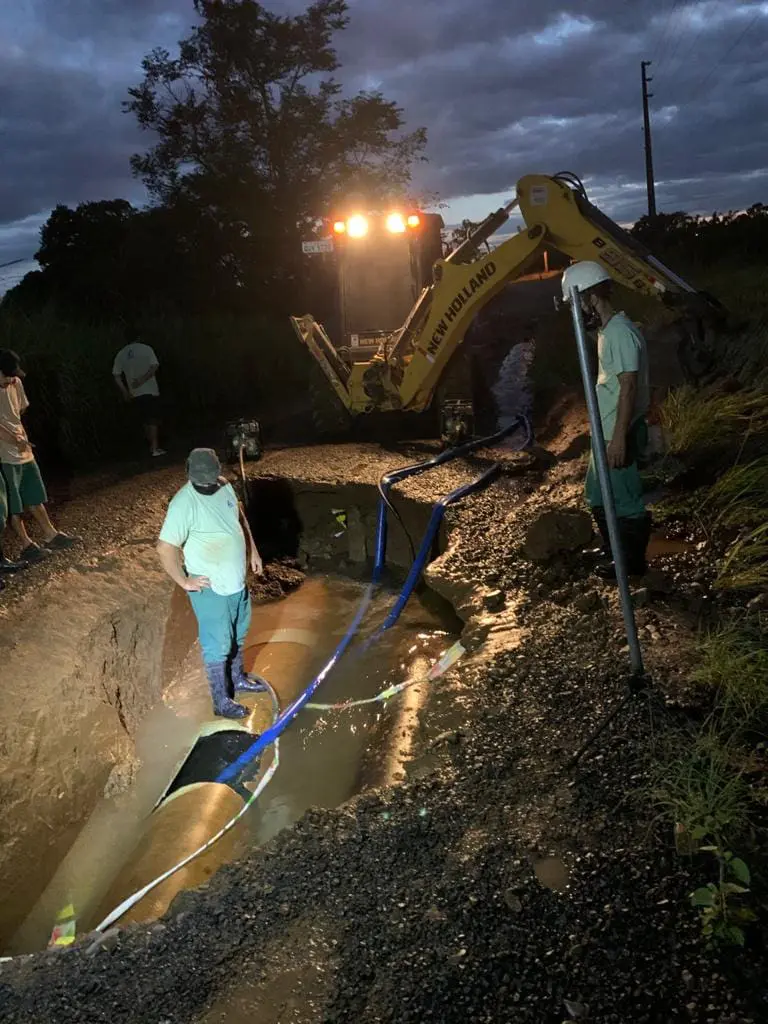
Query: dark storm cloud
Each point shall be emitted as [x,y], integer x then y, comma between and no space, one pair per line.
[505,87]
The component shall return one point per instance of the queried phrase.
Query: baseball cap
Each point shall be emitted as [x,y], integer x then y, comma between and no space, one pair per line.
[203,467]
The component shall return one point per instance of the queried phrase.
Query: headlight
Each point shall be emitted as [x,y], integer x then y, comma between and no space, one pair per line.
[414,220]
[357,226]
[339,227]
[395,224]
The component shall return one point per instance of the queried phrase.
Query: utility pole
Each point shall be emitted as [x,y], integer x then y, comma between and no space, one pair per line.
[649,182]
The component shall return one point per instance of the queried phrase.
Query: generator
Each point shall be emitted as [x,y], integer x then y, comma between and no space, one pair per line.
[243,436]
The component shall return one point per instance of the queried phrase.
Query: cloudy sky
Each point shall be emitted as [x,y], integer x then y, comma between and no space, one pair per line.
[504,87]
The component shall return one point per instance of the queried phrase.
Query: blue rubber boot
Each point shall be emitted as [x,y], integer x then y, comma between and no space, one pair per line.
[241,680]
[223,705]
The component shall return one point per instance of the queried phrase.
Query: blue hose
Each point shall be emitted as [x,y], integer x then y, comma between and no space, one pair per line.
[268,737]
[388,481]
[438,511]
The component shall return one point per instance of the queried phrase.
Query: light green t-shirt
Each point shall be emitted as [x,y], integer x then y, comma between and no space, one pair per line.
[620,349]
[207,529]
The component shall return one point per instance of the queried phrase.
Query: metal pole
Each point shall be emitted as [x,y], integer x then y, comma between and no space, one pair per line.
[650,183]
[603,476]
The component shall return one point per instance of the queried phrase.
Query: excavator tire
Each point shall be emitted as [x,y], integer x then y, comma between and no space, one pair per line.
[330,420]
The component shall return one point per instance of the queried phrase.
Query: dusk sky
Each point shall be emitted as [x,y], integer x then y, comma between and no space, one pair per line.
[504,88]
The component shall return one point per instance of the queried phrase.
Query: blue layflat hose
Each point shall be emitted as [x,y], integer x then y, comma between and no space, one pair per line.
[275,730]
[387,482]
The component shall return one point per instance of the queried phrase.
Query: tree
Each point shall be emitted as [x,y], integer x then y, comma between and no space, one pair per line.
[109,261]
[254,131]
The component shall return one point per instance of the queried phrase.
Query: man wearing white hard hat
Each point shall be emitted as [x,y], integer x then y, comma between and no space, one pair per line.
[623,398]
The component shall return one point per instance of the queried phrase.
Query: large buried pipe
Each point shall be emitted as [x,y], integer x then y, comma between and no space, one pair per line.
[195,807]
[212,798]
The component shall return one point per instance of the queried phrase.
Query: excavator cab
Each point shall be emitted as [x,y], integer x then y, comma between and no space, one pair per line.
[383,261]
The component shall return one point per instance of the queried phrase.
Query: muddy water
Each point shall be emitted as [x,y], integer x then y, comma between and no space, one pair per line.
[325,757]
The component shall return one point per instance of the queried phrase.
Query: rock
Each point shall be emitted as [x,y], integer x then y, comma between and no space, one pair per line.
[587,602]
[577,1010]
[494,600]
[107,940]
[758,603]
[658,582]
[434,915]
[513,901]
[554,532]
[641,597]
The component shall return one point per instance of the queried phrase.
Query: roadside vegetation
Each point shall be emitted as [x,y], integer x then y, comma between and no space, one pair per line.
[710,781]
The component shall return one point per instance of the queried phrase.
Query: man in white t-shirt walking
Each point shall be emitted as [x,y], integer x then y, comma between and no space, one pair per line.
[135,370]
[203,547]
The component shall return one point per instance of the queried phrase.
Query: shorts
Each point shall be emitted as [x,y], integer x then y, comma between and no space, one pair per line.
[147,408]
[24,486]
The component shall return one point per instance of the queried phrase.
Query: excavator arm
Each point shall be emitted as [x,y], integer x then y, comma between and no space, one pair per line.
[558,215]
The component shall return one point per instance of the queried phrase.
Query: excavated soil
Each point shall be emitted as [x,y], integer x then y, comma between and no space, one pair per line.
[500,882]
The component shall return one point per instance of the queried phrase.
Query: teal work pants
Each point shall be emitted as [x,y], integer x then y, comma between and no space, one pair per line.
[222,623]
[626,484]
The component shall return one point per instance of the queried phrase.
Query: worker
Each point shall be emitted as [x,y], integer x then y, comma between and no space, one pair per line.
[512,388]
[623,399]
[135,373]
[24,487]
[203,546]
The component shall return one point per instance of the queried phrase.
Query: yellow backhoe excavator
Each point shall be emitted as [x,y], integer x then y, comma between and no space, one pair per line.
[406,370]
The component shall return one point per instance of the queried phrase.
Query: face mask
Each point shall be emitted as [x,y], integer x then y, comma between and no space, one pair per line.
[208,489]
[590,315]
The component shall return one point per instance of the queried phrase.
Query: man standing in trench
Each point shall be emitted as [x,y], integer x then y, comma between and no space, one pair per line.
[203,546]
[623,396]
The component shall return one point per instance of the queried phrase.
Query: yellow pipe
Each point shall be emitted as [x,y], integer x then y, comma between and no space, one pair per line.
[279,647]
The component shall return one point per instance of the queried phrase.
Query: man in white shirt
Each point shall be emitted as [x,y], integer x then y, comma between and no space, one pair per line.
[135,370]
[203,546]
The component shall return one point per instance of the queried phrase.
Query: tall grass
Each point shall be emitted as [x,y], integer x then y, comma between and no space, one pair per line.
[694,420]
[739,498]
[745,566]
[696,787]
[210,369]
[734,666]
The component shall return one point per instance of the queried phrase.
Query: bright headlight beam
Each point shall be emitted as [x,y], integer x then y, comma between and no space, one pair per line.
[357,226]
[395,224]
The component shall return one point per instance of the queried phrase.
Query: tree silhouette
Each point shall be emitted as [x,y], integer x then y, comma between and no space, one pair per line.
[252,128]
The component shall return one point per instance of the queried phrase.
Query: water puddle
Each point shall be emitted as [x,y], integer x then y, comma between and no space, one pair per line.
[552,873]
[660,546]
[325,756]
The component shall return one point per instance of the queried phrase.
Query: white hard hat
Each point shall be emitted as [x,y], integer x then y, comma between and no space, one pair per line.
[582,276]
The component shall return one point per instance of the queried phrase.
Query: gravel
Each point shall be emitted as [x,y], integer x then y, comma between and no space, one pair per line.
[428,901]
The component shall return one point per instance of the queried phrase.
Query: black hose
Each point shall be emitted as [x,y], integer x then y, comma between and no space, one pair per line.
[396,514]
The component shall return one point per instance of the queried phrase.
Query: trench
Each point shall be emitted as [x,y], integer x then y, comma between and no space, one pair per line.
[326,757]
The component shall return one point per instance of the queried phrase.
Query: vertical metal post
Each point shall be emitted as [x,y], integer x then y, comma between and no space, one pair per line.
[603,476]
[650,183]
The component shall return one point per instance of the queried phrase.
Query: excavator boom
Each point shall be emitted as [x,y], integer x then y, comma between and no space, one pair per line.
[558,215]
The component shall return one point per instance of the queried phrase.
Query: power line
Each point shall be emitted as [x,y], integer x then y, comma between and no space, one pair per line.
[697,36]
[700,87]
[666,39]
